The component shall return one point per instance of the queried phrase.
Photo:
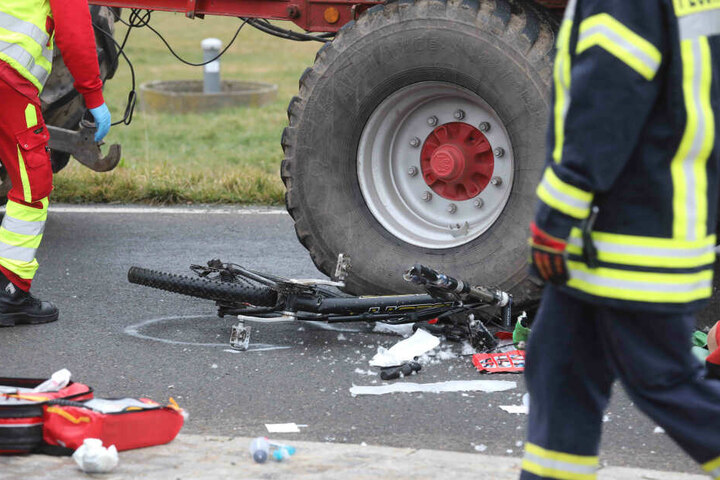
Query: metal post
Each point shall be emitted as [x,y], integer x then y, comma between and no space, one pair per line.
[211,78]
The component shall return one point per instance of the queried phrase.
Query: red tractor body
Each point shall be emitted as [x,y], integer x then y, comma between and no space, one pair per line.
[311,15]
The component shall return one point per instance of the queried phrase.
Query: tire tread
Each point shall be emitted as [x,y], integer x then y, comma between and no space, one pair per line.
[203,288]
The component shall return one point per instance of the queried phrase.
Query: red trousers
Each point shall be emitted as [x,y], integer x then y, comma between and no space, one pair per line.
[26,157]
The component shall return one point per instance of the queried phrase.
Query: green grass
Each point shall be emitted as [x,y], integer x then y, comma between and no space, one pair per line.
[229,156]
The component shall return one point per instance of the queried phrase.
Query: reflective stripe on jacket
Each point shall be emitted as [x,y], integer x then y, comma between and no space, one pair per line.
[26,38]
[633,132]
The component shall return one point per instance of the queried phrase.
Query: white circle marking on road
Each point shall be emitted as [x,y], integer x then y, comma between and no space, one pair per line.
[134,331]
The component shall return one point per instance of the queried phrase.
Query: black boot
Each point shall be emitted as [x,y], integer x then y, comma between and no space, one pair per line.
[19,307]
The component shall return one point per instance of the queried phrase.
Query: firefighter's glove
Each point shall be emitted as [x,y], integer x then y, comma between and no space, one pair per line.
[547,256]
[101,115]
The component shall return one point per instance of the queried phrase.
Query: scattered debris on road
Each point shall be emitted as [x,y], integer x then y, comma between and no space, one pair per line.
[92,457]
[403,329]
[523,409]
[501,362]
[262,448]
[283,427]
[404,370]
[405,350]
[518,409]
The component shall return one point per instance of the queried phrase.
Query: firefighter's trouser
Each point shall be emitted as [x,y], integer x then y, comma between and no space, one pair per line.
[575,352]
[26,158]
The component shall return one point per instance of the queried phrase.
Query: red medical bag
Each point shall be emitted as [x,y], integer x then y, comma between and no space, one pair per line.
[21,412]
[134,423]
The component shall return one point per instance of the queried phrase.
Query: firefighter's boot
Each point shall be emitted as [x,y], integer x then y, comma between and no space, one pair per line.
[20,307]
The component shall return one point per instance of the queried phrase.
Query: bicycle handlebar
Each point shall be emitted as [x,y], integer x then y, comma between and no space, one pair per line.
[426,276]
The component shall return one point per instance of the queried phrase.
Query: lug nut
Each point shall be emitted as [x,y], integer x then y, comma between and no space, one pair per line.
[484,127]
[415,142]
[478,203]
[427,196]
[412,171]
[459,114]
[497,181]
[499,152]
[432,121]
[452,208]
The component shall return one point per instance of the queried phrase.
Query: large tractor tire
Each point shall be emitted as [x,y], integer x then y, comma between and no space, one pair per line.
[62,105]
[419,136]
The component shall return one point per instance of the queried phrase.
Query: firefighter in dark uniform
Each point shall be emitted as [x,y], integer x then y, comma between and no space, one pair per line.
[632,139]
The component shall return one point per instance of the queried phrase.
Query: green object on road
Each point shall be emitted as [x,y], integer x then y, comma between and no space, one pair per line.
[521,332]
[700,353]
[700,339]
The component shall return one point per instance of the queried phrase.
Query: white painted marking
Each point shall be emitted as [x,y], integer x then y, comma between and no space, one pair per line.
[332,327]
[134,331]
[451,386]
[141,210]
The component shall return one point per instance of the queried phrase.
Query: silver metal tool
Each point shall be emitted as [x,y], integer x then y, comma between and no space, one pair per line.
[81,145]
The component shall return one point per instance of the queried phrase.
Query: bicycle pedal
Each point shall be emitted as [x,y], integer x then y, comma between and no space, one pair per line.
[240,337]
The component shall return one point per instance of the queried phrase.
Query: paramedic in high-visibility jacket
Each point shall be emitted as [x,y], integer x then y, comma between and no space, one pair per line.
[29,30]
[632,162]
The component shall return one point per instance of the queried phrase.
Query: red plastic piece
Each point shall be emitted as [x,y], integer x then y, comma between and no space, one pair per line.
[504,335]
[457,161]
[503,362]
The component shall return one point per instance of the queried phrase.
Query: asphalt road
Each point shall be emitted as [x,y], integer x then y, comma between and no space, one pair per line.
[127,340]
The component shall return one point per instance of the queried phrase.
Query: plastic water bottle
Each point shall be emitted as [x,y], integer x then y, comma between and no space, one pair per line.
[260,449]
[281,451]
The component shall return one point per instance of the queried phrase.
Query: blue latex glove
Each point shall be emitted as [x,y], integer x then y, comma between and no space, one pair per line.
[101,115]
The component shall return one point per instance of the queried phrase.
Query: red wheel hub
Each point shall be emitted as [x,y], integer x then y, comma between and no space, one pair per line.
[457,161]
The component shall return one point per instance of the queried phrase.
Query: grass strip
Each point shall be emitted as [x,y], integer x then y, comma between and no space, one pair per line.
[229,156]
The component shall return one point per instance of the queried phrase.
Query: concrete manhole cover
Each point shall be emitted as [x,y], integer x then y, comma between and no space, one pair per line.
[185,96]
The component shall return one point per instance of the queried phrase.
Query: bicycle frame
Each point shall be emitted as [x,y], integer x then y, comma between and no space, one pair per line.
[449,307]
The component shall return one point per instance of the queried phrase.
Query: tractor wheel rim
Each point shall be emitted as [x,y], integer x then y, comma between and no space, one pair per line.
[418,143]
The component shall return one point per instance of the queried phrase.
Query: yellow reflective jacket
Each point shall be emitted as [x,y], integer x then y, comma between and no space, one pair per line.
[633,132]
[26,38]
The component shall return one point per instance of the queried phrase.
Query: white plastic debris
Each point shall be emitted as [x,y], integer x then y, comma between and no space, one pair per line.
[92,457]
[467,348]
[282,427]
[518,409]
[439,387]
[480,448]
[405,350]
[523,409]
[57,381]
[403,329]
[659,430]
